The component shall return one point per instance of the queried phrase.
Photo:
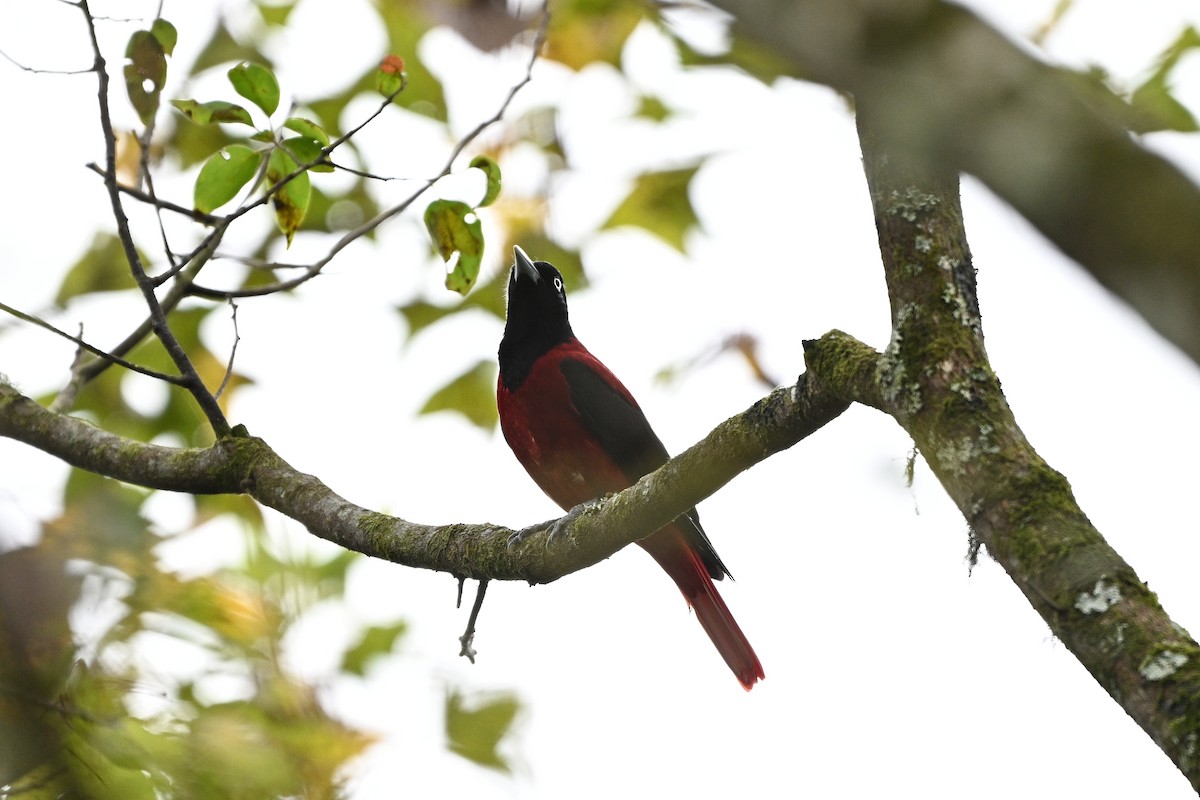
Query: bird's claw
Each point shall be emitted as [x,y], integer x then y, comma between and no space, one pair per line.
[467,651]
[553,528]
[519,536]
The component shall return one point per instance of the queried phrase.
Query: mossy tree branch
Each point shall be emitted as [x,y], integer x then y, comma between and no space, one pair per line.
[935,379]
[244,464]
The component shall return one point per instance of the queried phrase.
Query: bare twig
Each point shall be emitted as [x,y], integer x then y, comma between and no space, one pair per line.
[148,177]
[368,175]
[257,263]
[41,71]
[96,351]
[232,350]
[158,202]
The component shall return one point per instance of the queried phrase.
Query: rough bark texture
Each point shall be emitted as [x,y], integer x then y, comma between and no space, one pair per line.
[244,464]
[936,381]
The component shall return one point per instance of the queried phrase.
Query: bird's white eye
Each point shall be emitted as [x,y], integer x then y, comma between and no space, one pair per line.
[558,284]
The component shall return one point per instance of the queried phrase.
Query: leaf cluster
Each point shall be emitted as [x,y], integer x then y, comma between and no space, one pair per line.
[110,719]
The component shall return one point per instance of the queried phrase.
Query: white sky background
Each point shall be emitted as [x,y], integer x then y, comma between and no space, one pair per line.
[889,669]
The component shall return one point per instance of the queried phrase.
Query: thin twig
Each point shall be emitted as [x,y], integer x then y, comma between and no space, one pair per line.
[144,142]
[96,351]
[158,202]
[232,351]
[40,71]
[368,175]
[257,263]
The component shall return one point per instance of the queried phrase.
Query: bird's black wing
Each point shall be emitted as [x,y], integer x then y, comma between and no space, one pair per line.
[621,428]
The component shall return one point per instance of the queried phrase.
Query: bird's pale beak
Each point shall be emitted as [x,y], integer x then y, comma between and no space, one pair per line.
[523,267]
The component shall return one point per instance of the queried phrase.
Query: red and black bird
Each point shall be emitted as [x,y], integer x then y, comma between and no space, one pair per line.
[580,434]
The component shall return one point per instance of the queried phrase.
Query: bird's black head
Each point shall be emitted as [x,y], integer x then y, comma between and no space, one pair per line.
[536,319]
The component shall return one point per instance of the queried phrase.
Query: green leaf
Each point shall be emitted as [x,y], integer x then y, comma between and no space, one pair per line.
[376,641]
[306,127]
[165,33]
[420,314]
[475,728]
[757,60]
[212,112]
[291,201]
[117,533]
[103,268]
[586,31]
[224,175]
[660,204]
[492,170]
[1156,109]
[472,394]
[145,73]
[306,151]
[257,84]
[455,228]
[274,13]
[652,108]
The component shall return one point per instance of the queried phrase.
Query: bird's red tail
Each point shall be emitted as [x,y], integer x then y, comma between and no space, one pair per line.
[691,576]
[723,629]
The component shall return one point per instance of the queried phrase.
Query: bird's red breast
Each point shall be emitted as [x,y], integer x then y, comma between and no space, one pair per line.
[544,428]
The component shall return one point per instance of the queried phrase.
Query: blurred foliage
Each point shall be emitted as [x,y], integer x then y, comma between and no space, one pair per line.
[102,268]
[475,726]
[1154,104]
[750,57]
[471,394]
[101,716]
[583,32]
[659,203]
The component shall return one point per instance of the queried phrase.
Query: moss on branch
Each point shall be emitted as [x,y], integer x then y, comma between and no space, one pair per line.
[241,463]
